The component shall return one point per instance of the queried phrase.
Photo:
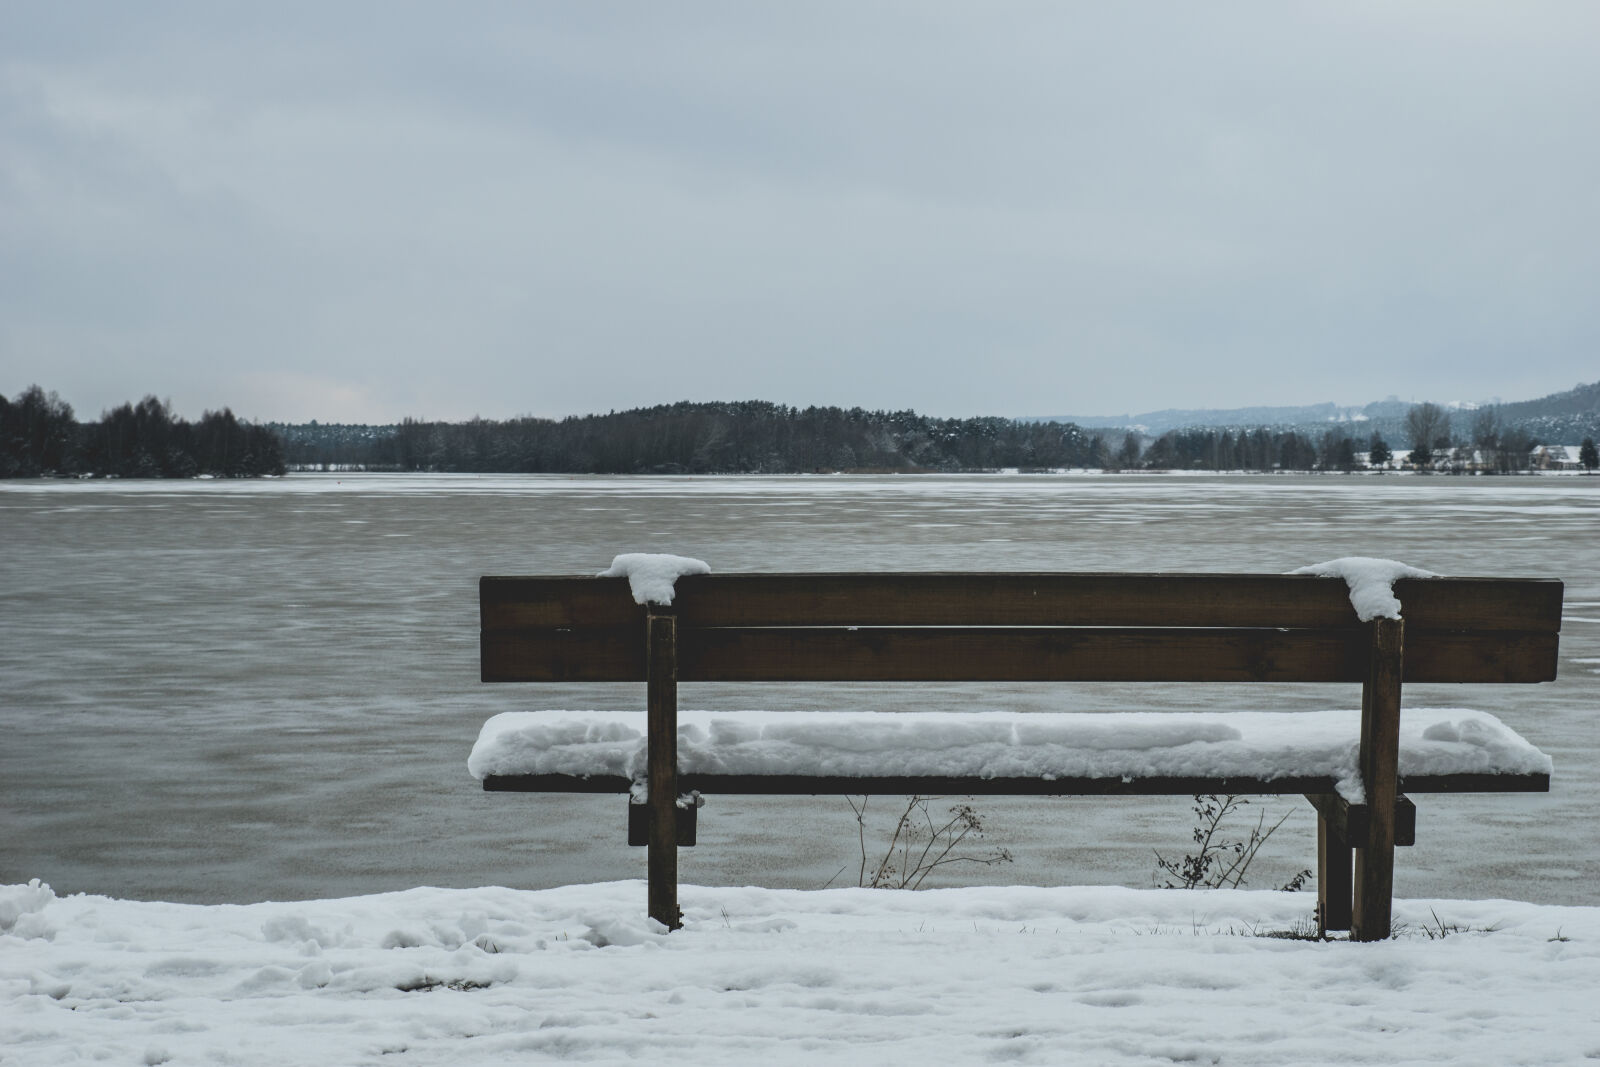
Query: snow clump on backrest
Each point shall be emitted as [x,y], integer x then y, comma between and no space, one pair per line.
[652,576]
[1371,583]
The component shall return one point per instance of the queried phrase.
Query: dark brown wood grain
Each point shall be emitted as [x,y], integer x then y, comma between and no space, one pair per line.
[1038,654]
[551,601]
[661,760]
[1480,656]
[1373,903]
[1532,604]
[1019,599]
[1334,875]
[1350,821]
[800,654]
[611,654]
[1093,655]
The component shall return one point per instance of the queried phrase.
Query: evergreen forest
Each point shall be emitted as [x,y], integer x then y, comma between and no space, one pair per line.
[40,437]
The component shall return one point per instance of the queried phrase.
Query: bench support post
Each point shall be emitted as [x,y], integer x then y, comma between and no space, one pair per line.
[1373,906]
[661,758]
[1333,877]
[1341,826]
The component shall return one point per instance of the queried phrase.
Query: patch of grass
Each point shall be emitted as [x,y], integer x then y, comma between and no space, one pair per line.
[1303,930]
[1440,929]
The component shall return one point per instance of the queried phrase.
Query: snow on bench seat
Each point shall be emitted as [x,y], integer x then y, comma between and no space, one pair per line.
[998,744]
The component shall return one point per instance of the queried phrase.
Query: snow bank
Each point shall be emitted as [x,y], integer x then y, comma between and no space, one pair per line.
[1100,975]
[1371,582]
[653,576]
[999,744]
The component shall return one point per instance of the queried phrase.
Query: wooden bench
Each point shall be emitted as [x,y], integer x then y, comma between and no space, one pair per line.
[1052,627]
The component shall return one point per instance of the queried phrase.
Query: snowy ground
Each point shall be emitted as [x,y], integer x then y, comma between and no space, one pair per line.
[1092,975]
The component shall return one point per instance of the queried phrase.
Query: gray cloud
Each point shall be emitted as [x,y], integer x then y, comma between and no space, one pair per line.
[367,211]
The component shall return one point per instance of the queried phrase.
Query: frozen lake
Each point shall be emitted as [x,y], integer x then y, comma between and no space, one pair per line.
[216,691]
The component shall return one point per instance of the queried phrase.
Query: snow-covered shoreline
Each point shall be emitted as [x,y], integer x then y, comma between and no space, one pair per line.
[1102,975]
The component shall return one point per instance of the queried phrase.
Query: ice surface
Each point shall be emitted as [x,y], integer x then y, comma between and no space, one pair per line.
[266,647]
[1371,582]
[653,576]
[997,744]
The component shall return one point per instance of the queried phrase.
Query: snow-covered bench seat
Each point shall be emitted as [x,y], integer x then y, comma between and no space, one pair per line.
[1026,627]
[998,752]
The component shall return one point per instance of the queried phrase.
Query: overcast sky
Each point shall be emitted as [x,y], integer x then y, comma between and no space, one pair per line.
[361,211]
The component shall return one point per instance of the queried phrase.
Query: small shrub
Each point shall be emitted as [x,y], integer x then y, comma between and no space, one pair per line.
[1220,863]
[921,843]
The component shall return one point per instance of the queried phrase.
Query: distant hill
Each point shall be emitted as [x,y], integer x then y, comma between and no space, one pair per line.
[761,437]
[1560,418]
[1579,400]
[1180,418]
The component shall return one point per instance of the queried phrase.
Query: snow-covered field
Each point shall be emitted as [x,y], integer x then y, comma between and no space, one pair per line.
[1090,975]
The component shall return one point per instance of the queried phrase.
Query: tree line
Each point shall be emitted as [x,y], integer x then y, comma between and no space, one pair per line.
[756,437]
[39,437]
[1489,443]
[749,437]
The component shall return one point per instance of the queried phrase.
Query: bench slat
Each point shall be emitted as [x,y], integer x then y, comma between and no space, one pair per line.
[1037,654]
[1484,656]
[1020,599]
[1527,604]
[611,654]
[895,785]
[1004,654]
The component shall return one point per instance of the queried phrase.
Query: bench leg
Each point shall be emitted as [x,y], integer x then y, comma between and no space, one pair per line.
[661,756]
[1333,878]
[1372,910]
[1340,827]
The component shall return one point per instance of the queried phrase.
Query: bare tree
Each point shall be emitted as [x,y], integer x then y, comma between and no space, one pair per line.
[1128,454]
[1486,428]
[1429,428]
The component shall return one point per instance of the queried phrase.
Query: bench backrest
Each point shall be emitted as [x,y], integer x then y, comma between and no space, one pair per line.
[925,626]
